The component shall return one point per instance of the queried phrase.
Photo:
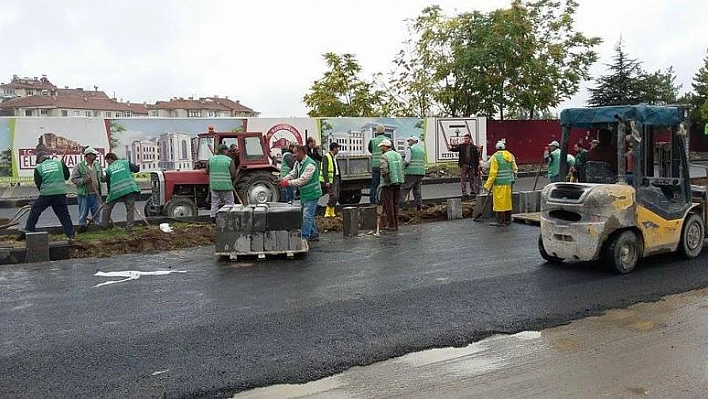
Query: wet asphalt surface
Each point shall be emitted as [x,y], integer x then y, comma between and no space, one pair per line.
[222,327]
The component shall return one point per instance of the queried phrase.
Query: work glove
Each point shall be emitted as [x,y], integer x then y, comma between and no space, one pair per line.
[284,183]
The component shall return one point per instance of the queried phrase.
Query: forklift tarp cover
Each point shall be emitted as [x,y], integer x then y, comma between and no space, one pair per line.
[642,113]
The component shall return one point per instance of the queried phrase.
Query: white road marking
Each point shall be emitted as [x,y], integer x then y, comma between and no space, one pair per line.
[160,372]
[132,275]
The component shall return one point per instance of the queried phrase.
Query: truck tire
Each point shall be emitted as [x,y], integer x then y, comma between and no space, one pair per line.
[548,258]
[692,236]
[258,187]
[350,197]
[148,209]
[623,251]
[181,207]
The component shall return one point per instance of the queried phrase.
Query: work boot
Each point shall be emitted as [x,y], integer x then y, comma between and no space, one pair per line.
[499,221]
[507,218]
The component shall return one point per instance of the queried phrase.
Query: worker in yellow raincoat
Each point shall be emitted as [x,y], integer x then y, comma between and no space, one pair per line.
[502,173]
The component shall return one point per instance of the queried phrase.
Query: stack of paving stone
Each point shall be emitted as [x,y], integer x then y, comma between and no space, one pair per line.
[256,229]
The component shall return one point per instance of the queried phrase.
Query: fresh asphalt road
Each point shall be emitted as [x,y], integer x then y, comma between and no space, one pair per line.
[214,328]
[430,191]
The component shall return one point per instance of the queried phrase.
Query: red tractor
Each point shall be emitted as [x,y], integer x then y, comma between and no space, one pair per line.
[182,193]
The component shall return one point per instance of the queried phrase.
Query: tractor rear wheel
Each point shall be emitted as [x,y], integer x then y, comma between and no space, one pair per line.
[258,187]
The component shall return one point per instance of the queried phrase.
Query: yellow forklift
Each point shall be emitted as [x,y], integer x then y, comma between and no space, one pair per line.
[619,217]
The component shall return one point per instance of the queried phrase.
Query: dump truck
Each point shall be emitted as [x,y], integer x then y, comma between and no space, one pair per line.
[618,215]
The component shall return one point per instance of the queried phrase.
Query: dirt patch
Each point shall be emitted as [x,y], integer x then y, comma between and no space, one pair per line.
[433,213]
[101,244]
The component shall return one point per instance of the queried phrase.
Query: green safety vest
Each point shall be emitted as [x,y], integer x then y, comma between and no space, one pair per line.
[312,190]
[395,168]
[376,151]
[81,188]
[122,181]
[330,168]
[416,167]
[554,164]
[220,173]
[505,176]
[284,167]
[52,173]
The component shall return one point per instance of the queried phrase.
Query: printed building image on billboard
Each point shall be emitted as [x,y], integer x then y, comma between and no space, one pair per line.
[163,144]
[353,134]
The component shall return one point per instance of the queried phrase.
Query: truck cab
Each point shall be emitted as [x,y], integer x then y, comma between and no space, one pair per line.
[622,215]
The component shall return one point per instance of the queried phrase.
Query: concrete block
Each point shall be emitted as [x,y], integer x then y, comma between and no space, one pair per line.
[257,243]
[454,208]
[270,241]
[282,240]
[224,241]
[295,238]
[368,218]
[259,218]
[60,250]
[242,242]
[222,219]
[246,219]
[484,205]
[37,245]
[234,219]
[351,218]
[518,204]
[284,217]
[533,201]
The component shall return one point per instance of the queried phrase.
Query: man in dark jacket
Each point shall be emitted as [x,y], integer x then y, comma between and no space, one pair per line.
[50,176]
[313,150]
[468,162]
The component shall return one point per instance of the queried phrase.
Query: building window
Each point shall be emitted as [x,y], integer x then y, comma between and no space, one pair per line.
[30,92]
[76,113]
[211,114]
[96,114]
[64,112]
[184,149]
[108,114]
[43,112]
[28,112]
[128,114]
[155,113]
[194,113]
[87,113]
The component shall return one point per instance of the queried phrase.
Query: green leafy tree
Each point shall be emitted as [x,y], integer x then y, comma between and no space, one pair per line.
[627,83]
[699,97]
[525,58]
[6,162]
[341,91]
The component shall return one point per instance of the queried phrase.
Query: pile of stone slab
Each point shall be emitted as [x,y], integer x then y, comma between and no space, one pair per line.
[522,202]
[270,228]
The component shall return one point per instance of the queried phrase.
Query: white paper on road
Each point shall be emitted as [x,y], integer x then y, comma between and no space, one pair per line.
[132,275]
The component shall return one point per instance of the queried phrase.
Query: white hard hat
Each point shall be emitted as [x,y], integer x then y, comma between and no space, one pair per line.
[500,145]
[385,143]
[554,143]
[90,150]
[412,138]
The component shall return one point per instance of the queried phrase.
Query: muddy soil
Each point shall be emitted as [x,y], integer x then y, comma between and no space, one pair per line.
[151,240]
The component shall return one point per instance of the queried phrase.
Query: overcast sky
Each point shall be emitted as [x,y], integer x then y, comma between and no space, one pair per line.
[267,53]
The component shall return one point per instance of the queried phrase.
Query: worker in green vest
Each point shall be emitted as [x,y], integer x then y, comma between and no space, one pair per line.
[306,176]
[375,150]
[222,175]
[331,179]
[87,176]
[50,176]
[392,176]
[414,167]
[287,161]
[502,173]
[121,188]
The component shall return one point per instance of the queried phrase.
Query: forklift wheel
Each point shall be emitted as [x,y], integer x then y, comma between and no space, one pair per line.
[548,258]
[692,236]
[623,252]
